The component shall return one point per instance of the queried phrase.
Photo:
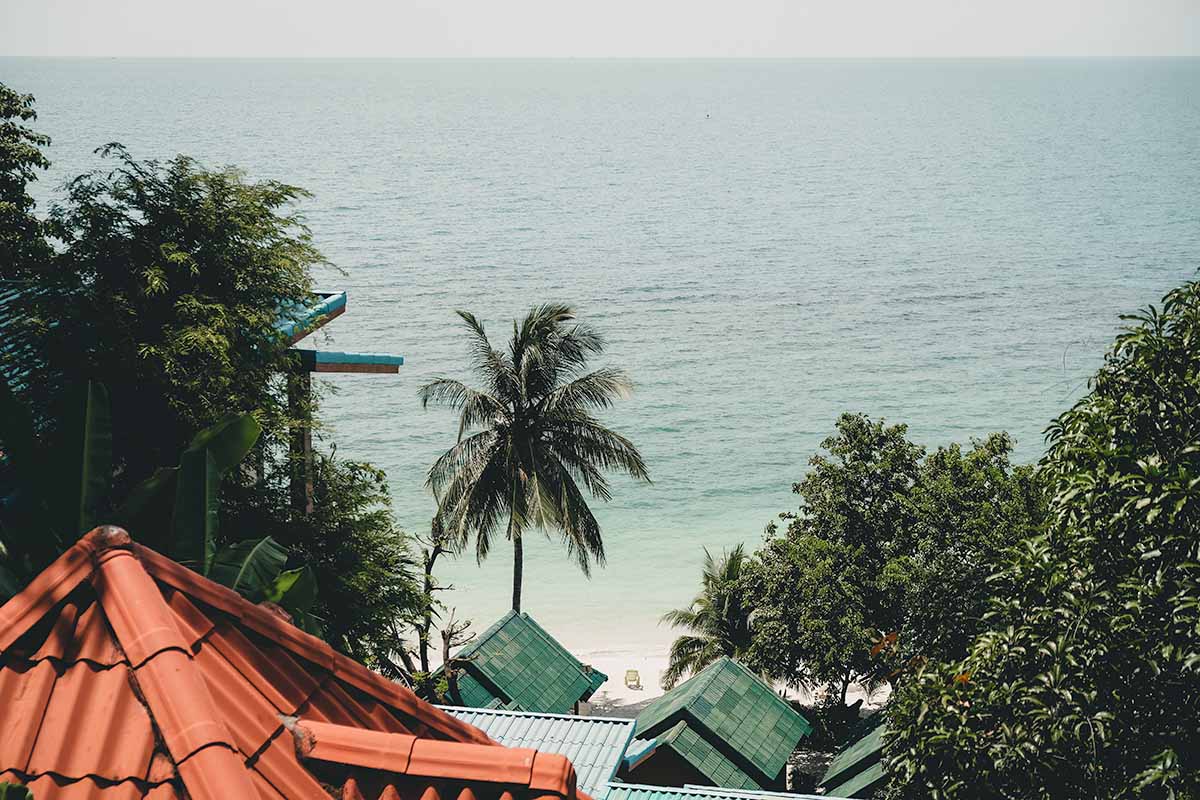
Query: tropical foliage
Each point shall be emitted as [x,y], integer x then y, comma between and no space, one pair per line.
[886,559]
[58,490]
[1086,683]
[717,620]
[22,245]
[166,281]
[529,443]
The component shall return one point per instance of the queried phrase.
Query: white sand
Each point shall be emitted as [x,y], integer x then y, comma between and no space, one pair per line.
[614,664]
[614,692]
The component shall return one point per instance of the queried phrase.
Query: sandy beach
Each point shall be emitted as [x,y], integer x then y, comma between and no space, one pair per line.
[615,698]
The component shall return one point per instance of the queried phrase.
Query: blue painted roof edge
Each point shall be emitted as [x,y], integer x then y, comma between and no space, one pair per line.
[335,357]
[306,319]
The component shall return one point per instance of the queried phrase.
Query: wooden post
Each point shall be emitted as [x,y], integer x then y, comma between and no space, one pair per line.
[300,447]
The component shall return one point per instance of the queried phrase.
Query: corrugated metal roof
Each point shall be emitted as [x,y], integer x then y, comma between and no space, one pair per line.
[595,745]
[857,769]
[517,662]
[635,791]
[725,702]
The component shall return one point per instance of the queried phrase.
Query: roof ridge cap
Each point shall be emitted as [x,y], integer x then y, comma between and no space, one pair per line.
[518,713]
[489,632]
[57,580]
[167,679]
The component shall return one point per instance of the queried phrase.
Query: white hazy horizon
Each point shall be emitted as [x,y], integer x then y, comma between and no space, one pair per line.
[613,29]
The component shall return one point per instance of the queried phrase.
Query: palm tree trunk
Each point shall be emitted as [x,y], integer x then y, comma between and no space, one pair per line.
[518,568]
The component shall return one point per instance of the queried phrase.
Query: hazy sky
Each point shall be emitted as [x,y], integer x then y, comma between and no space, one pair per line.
[667,28]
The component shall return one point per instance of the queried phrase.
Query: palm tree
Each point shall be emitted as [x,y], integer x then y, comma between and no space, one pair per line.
[718,620]
[528,440]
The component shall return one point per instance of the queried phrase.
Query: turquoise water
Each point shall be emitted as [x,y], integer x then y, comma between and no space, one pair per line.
[766,244]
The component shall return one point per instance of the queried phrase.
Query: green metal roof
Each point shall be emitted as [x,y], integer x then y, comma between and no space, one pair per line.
[702,755]
[595,745]
[727,703]
[857,770]
[517,663]
[635,791]
[864,784]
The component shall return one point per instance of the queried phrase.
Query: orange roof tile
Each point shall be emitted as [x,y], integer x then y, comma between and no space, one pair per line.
[378,766]
[126,675]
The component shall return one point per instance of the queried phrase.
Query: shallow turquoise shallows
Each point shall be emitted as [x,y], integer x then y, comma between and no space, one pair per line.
[766,244]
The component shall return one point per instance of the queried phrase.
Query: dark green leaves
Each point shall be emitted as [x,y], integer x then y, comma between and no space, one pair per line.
[81,461]
[252,568]
[14,791]
[1084,684]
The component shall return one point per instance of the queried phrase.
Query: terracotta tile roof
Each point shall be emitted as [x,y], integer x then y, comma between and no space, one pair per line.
[126,675]
[373,764]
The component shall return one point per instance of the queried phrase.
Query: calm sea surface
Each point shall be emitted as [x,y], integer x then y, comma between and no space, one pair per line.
[766,244]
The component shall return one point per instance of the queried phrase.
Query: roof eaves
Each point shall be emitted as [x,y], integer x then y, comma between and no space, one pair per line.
[429,758]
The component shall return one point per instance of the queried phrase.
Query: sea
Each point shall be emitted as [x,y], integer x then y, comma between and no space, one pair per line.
[947,244]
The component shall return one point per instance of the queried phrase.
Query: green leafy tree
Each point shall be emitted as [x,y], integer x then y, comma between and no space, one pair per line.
[166,283]
[886,559]
[22,245]
[812,625]
[529,443]
[1086,682]
[717,620]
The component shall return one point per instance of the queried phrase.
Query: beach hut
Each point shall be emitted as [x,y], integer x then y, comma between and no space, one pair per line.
[857,770]
[127,676]
[722,727]
[594,745]
[516,664]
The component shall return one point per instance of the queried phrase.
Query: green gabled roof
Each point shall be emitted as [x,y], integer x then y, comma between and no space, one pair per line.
[734,706]
[516,662]
[857,770]
[862,785]
[702,755]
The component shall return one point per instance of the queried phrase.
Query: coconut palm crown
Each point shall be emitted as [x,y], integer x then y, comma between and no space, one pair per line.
[530,448]
[717,620]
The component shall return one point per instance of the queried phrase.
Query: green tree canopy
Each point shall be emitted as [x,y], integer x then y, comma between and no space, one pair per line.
[1086,683]
[884,531]
[165,284]
[22,246]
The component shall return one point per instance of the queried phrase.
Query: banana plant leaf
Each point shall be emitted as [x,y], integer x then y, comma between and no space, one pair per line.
[294,589]
[195,483]
[230,440]
[80,463]
[251,567]
[194,522]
